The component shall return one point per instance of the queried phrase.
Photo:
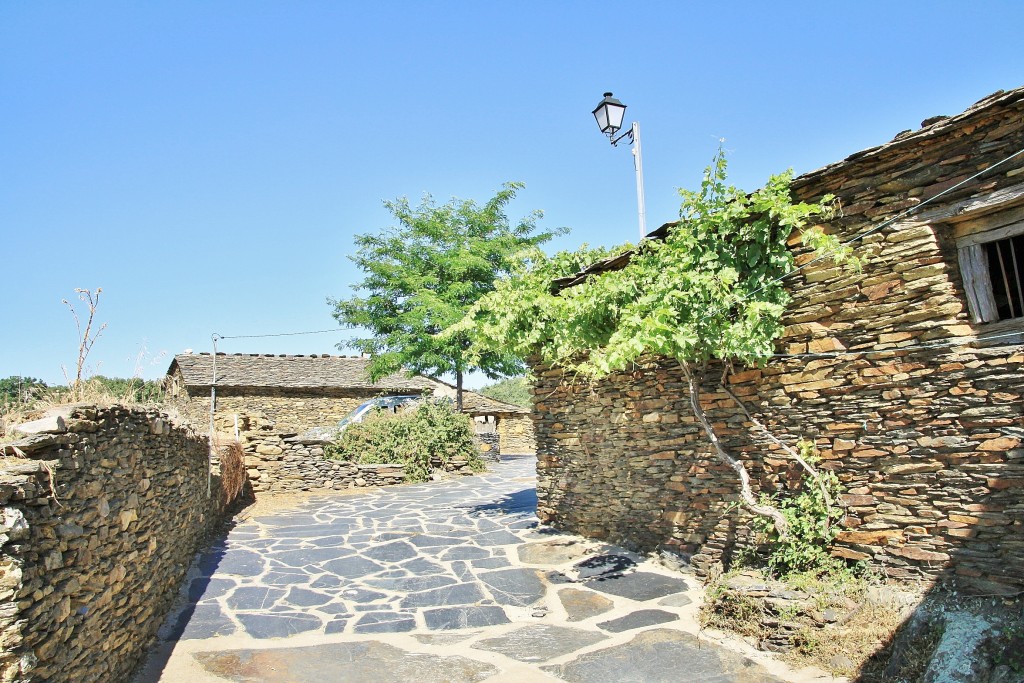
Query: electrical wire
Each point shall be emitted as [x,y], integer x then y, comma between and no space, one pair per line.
[278,334]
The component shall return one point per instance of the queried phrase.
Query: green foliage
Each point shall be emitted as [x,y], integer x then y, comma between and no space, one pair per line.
[514,390]
[425,274]
[429,437]
[813,525]
[711,289]
[17,390]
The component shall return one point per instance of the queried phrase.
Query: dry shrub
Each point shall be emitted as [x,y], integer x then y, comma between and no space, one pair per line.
[232,469]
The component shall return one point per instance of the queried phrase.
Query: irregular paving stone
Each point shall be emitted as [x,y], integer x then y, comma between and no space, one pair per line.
[240,563]
[496,538]
[603,566]
[336,625]
[464,617]
[639,585]
[300,597]
[263,625]
[254,597]
[458,594]
[582,604]
[385,622]
[464,552]
[273,578]
[304,557]
[677,600]
[490,563]
[201,622]
[661,656]
[638,619]
[327,581]
[362,595]
[425,541]
[516,586]
[362,661]
[539,642]
[352,567]
[555,551]
[422,567]
[209,588]
[444,638]
[395,551]
[410,584]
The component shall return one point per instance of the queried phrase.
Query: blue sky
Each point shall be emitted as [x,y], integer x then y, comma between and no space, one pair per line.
[208,163]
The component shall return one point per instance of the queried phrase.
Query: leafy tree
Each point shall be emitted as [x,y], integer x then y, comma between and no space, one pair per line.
[712,289]
[424,274]
[514,390]
[19,390]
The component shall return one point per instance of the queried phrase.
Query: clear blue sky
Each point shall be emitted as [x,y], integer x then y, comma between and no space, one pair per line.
[207,163]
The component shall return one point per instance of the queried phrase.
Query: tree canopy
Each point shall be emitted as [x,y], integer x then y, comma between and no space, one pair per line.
[712,289]
[424,274]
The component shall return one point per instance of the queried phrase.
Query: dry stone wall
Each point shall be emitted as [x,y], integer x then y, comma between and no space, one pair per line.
[925,433]
[101,519]
[516,434]
[286,410]
[285,462]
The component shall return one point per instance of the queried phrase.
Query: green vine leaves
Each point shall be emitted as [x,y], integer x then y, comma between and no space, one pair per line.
[712,289]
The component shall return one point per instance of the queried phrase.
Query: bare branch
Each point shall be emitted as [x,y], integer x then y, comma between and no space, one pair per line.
[791,452]
[746,493]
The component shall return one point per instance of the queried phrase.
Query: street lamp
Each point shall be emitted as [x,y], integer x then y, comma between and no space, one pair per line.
[609,114]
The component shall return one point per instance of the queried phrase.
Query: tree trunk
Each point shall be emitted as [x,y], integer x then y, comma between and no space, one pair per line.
[745,492]
[789,450]
[458,390]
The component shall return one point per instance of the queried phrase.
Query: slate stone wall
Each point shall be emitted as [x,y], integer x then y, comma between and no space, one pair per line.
[286,410]
[516,435]
[926,437]
[93,554]
[284,462]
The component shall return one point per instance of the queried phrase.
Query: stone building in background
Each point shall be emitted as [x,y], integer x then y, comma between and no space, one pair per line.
[274,398]
[907,375]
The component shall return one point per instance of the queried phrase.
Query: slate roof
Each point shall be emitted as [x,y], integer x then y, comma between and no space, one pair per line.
[289,372]
[243,370]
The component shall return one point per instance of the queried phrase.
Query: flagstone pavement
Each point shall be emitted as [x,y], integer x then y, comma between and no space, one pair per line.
[447,581]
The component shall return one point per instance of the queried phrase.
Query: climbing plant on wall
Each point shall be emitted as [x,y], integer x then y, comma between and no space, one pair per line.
[712,289]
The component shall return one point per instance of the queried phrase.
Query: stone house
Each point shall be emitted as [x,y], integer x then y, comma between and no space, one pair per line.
[272,398]
[908,376]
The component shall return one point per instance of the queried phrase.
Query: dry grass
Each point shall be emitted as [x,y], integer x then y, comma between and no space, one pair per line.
[842,647]
[847,648]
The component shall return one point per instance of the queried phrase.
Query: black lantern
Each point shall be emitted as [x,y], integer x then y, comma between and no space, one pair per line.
[609,114]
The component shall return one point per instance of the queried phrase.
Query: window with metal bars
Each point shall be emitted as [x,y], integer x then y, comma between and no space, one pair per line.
[992,265]
[1005,269]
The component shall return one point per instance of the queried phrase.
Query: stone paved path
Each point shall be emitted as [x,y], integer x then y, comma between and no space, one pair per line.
[449,581]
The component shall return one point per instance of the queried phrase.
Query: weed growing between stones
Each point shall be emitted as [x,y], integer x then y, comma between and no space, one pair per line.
[433,436]
[812,521]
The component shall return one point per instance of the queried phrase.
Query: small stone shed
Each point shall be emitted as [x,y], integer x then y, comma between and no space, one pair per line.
[908,375]
[292,393]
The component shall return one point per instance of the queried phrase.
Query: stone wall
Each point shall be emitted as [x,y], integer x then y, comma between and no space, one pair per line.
[285,410]
[101,519]
[284,462]
[925,433]
[516,432]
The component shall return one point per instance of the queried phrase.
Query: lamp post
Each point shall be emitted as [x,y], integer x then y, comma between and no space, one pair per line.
[609,114]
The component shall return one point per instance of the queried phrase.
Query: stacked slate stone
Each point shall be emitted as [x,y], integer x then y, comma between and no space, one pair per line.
[925,433]
[101,518]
